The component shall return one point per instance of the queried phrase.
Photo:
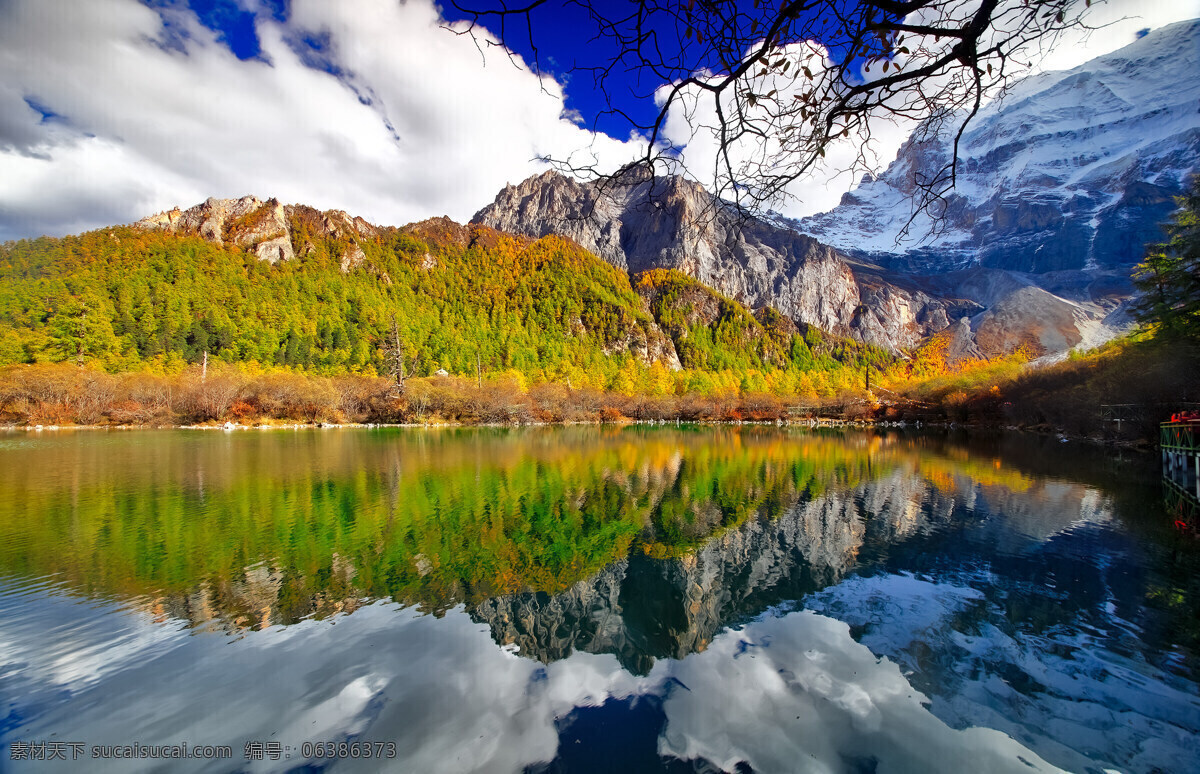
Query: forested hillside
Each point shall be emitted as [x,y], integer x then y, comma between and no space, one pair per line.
[467,299]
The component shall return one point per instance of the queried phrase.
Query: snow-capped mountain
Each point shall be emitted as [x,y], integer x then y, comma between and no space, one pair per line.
[1071,171]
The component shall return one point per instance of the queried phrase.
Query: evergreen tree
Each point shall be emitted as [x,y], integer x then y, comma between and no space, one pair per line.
[1169,277]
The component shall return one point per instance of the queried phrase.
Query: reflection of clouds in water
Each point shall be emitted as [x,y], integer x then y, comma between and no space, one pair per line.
[439,688]
[54,639]
[832,704]
[453,701]
[1065,692]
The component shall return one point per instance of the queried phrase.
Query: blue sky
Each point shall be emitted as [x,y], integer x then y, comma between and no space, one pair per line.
[559,39]
[111,110]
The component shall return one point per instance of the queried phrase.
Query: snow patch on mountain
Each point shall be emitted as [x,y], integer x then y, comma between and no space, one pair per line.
[1071,170]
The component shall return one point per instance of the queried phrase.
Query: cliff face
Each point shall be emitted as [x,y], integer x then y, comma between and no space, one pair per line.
[672,223]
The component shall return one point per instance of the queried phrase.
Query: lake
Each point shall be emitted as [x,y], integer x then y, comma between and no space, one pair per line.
[591,599]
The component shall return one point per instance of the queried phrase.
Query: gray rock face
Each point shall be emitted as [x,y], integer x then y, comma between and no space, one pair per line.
[672,223]
[263,228]
[352,258]
[1044,316]
[554,204]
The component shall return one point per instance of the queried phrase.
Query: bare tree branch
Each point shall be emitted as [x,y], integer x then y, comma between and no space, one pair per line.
[772,85]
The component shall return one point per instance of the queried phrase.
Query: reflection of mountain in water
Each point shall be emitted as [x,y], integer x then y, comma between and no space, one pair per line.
[639,543]
[642,608]
[260,597]
[658,601]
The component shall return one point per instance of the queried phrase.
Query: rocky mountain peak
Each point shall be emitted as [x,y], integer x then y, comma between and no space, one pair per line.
[673,223]
[265,228]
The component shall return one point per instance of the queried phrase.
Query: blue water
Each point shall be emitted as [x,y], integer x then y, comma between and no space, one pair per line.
[783,601]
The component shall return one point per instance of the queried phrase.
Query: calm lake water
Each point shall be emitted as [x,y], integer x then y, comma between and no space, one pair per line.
[592,599]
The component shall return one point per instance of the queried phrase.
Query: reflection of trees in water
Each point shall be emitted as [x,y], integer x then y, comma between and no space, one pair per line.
[426,518]
[638,542]
[260,597]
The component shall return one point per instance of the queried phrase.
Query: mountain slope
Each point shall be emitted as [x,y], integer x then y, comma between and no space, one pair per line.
[672,223]
[175,286]
[1071,172]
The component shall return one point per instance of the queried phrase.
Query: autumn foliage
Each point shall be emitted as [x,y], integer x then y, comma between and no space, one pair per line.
[130,308]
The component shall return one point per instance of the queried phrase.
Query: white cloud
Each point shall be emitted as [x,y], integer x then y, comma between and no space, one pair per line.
[689,126]
[145,120]
[830,701]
